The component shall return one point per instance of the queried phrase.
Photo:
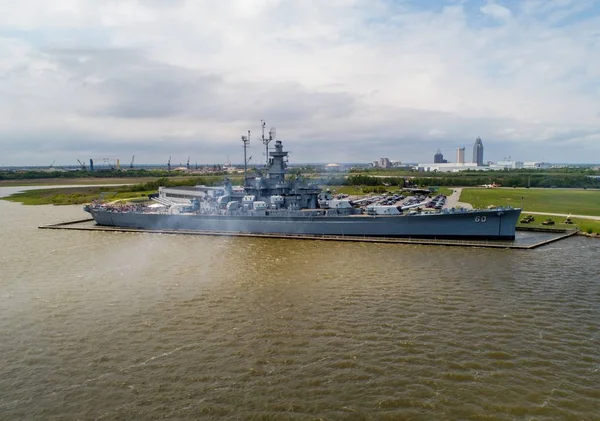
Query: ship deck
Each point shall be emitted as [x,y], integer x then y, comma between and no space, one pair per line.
[527,239]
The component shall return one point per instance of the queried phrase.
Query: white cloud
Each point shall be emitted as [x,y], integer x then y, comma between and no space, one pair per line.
[496,10]
[125,74]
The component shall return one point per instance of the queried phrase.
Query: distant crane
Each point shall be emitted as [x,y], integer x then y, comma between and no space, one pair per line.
[82,165]
[113,163]
[131,163]
[169,164]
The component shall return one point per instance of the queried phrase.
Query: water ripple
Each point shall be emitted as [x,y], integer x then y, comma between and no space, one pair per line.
[133,326]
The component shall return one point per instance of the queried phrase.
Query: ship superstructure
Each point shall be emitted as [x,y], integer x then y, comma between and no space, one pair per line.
[275,190]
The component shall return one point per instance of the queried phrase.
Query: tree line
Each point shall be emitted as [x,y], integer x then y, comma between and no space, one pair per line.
[558,180]
[38,174]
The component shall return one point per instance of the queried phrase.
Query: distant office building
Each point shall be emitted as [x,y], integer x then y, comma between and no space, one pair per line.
[448,167]
[536,165]
[382,163]
[507,164]
[385,163]
[460,156]
[478,152]
[438,158]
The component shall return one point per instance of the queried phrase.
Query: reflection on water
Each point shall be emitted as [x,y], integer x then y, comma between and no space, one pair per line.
[143,326]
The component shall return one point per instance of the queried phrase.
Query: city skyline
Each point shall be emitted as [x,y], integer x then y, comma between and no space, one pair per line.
[342,81]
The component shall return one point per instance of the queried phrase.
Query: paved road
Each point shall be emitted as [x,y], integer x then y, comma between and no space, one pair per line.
[452,200]
[596,218]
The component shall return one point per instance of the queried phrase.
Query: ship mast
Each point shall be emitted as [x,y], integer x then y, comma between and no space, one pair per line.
[266,141]
[246,140]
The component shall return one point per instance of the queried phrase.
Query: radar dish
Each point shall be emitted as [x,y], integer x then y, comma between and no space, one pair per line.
[272,133]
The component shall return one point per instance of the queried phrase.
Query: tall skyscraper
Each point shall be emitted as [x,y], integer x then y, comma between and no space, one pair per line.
[460,156]
[478,152]
[438,158]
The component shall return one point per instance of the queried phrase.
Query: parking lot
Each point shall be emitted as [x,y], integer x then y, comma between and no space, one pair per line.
[407,203]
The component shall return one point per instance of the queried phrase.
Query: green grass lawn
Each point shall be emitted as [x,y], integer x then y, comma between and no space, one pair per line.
[568,201]
[75,195]
[585,225]
[447,191]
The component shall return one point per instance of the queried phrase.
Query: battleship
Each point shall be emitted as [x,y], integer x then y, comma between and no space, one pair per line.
[271,203]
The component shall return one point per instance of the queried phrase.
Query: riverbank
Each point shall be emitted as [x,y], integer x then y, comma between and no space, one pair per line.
[96,181]
[77,195]
[581,206]
[590,235]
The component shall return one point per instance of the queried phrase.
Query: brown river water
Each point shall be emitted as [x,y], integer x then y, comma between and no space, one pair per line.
[101,325]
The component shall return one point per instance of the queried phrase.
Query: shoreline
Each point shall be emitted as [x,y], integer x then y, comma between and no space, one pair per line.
[83,182]
[65,193]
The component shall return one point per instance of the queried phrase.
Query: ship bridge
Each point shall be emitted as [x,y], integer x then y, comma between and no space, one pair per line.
[278,163]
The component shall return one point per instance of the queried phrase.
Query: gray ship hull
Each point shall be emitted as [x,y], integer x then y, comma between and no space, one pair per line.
[494,224]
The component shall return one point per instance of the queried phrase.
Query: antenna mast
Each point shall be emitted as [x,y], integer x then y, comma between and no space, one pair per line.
[246,140]
[266,141]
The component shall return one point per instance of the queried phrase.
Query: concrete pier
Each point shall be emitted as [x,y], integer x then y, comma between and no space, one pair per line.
[86,225]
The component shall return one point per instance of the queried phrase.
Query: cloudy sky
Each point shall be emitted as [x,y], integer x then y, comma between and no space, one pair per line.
[342,80]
